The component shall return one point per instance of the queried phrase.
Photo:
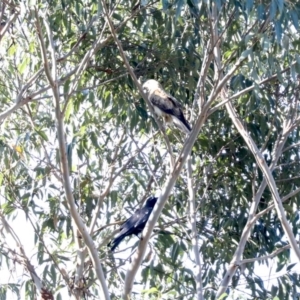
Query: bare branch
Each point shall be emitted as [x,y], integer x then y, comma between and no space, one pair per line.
[20,102]
[109,183]
[65,168]
[269,180]
[248,89]
[272,255]
[193,221]
[252,218]
[43,49]
[145,160]
[12,18]
[268,177]
[30,81]
[83,65]
[270,207]
[166,191]
[61,270]
[80,39]
[291,146]
[200,89]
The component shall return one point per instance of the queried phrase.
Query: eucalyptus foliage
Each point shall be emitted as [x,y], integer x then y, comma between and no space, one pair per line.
[117,155]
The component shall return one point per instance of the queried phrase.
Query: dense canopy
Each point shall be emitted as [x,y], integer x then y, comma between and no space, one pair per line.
[81,149]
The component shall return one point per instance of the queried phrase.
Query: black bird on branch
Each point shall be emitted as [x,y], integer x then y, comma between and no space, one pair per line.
[135,224]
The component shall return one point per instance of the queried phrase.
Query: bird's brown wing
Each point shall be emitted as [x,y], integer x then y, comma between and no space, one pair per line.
[178,116]
[175,102]
[168,105]
[161,100]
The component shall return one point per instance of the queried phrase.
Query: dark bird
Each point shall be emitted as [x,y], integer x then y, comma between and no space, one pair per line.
[165,105]
[135,224]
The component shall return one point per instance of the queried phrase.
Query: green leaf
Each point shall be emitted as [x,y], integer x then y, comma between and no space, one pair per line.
[69,110]
[152,290]
[290,266]
[249,5]
[42,134]
[179,7]
[280,5]
[23,65]
[246,53]
[295,19]
[278,31]
[223,296]
[165,4]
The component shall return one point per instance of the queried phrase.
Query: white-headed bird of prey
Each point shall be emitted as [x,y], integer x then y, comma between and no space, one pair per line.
[165,105]
[135,224]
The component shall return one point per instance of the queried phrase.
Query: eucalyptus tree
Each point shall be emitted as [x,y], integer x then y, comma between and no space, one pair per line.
[81,148]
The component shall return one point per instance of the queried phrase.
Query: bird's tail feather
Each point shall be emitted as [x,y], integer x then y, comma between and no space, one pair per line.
[183,126]
[115,243]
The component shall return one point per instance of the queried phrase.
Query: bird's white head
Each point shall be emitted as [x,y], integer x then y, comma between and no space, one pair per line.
[151,85]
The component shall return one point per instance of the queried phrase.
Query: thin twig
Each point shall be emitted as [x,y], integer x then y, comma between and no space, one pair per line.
[109,183]
[272,255]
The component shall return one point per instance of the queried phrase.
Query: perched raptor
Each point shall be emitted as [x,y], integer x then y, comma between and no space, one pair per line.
[165,105]
[135,224]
